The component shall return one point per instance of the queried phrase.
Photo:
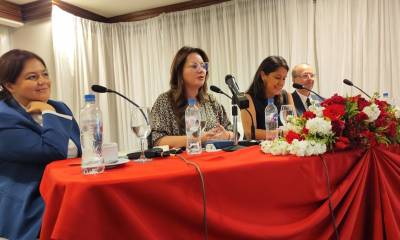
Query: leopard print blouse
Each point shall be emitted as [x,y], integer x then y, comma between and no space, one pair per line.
[164,122]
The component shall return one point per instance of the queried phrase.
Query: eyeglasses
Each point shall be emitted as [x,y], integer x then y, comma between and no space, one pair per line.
[306,75]
[199,66]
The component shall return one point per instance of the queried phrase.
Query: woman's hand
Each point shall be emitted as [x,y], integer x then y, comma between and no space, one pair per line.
[218,133]
[39,107]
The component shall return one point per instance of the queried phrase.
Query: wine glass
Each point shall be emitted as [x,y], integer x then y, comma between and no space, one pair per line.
[140,125]
[286,111]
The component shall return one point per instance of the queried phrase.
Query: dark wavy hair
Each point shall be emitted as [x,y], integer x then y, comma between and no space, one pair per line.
[268,65]
[176,93]
[11,65]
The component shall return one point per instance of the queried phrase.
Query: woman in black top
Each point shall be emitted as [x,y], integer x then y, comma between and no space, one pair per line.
[267,86]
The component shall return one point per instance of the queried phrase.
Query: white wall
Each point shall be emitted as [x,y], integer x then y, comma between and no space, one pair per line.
[36,37]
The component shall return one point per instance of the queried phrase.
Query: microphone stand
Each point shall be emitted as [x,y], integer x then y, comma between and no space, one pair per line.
[235,145]
[253,129]
[235,120]
[127,99]
[101,89]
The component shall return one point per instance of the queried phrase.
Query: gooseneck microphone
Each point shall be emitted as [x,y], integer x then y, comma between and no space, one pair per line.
[299,86]
[253,129]
[350,83]
[218,90]
[237,97]
[102,89]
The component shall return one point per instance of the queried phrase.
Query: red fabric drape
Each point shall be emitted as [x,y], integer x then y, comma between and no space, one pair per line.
[250,195]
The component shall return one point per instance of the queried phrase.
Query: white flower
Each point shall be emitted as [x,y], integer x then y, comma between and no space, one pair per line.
[397,112]
[372,112]
[299,148]
[307,148]
[291,126]
[317,110]
[319,125]
[275,147]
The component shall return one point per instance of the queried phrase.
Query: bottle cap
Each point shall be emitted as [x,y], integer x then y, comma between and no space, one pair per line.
[90,98]
[385,94]
[191,101]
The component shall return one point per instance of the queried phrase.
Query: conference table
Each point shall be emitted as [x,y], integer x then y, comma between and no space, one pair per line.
[248,195]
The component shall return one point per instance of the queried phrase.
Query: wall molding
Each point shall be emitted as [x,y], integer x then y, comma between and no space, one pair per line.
[145,14]
[42,9]
[10,11]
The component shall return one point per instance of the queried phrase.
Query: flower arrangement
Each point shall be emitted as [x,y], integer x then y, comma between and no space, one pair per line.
[339,123]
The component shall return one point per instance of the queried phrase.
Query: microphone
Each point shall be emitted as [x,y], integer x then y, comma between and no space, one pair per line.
[237,97]
[299,86]
[253,129]
[102,89]
[218,90]
[230,81]
[350,83]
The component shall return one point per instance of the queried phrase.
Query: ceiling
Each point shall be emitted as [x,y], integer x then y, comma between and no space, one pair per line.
[111,8]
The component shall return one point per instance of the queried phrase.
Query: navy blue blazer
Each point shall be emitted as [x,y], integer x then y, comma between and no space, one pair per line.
[300,109]
[25,150]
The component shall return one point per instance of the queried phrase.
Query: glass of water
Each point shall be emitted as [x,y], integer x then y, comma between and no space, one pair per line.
[140,125]
[286,111]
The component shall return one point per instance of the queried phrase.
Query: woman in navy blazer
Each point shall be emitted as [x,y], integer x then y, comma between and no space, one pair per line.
[34,131]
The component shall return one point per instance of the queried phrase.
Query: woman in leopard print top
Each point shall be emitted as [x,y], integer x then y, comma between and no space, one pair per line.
[188,80]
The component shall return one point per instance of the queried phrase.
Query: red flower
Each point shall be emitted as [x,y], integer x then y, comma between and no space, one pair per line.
[392,129]
[305,131]
[382,105]
[361,116]
[370,137]
[309,115]
[338,127]
[362,103]
[380,122]
[334,111]
[335,99]
[342,143]
[290,136]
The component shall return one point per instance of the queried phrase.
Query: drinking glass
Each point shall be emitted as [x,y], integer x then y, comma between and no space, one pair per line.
[140,125]
[286,111]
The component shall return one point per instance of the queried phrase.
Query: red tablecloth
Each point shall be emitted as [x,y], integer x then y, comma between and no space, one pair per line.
[250,195]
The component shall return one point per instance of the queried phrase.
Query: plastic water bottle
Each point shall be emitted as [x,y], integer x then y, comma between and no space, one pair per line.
[271,121]
[91,125]
[193,128]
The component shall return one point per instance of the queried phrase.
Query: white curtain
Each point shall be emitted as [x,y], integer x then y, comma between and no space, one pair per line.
[134,58]
[358,40]
[5,44]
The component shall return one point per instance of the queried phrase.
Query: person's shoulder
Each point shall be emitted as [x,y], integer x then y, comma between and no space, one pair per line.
[163,97]
[9,115]
[211,97]
[59,106]
[162,100]
[7,107]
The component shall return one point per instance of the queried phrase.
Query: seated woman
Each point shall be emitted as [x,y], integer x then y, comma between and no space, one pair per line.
[189,72]
[267,86]
[34,131]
